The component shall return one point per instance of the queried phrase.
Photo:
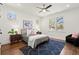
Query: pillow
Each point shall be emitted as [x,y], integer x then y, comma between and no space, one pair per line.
[30,33]
[75,35]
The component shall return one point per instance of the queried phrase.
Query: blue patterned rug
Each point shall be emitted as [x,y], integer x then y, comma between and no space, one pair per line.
[51,47]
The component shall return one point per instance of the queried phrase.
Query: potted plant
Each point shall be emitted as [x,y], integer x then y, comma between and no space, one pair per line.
[12,32]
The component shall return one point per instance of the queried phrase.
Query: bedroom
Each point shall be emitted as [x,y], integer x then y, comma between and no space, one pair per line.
[19,21]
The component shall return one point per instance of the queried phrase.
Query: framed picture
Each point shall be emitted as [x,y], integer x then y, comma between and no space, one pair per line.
[27,24]
[51,24]
[56,24]
[11,15]
[59,23]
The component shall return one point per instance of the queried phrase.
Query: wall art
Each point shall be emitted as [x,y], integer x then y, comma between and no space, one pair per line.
[11,15]
[27,24]
[56,24]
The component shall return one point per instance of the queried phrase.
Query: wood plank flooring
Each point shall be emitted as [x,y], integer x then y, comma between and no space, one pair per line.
[0,51]
[69,49]
[13,49]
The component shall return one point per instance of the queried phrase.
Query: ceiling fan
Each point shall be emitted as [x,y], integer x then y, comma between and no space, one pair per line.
[44,8]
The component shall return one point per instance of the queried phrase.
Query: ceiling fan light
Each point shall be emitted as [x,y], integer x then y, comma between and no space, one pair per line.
[44,10]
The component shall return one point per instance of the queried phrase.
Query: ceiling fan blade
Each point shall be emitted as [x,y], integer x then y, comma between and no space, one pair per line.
[43,5]
[39,7]
[47,10]
[48,6]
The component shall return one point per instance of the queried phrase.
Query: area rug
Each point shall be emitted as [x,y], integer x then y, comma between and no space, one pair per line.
[51,47]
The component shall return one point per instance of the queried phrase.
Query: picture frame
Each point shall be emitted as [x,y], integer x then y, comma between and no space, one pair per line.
[11,15]
[27,24]
[56,24]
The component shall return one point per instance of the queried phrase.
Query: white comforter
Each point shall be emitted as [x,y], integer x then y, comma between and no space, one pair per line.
[32,39]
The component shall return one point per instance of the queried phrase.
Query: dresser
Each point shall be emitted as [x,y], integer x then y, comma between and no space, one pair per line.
[15,38]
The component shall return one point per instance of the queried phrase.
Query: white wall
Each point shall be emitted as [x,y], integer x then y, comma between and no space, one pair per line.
[6,24]
[71,22]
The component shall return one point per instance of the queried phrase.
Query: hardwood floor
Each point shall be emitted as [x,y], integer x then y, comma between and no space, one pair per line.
[70,50]
[0,51]
[13,49]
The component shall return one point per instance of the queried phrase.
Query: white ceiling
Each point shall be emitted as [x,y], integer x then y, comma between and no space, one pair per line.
[30,8]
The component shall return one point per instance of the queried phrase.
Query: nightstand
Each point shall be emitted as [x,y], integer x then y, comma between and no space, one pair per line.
[15,38]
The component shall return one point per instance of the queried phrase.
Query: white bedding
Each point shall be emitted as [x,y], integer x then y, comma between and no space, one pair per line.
[36,39]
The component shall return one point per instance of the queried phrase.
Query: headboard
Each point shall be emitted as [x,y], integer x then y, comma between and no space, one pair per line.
[24,31]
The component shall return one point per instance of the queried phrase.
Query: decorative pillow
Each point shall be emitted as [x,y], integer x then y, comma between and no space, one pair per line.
[30,33]
[75,35]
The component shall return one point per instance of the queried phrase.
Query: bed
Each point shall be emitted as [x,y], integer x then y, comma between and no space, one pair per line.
[33,40]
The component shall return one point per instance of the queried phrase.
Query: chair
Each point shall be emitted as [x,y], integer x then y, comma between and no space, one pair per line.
[71,40]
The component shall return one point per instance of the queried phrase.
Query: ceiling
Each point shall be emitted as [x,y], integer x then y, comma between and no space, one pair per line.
[30,8]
